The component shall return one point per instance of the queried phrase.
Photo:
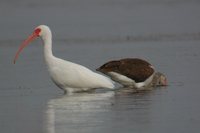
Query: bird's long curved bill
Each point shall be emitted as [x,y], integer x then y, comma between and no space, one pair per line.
[23,45]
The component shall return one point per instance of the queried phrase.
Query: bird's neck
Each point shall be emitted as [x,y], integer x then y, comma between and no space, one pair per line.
[48,55]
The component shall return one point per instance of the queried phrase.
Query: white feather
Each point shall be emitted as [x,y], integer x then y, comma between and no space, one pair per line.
[67,75]
[70,75]
[128,81]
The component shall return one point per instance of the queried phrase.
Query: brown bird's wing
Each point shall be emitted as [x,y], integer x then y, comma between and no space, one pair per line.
[137,69]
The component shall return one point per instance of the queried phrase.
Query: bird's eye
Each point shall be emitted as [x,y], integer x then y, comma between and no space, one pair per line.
[37,31]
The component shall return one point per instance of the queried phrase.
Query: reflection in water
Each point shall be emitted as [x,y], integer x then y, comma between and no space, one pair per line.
[98,112]
[77,111]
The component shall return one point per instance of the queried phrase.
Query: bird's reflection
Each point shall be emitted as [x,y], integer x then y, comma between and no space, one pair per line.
[99,111]
[77,111]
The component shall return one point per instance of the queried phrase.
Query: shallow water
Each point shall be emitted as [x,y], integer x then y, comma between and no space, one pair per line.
[166,33]
[30,102]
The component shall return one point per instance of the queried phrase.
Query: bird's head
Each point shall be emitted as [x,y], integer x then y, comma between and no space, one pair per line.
[40,31]
[161,79]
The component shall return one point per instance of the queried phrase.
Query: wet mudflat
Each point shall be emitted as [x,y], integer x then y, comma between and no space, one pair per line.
[166,33]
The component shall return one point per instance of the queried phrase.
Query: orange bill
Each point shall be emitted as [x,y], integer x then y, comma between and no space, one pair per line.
[24,44]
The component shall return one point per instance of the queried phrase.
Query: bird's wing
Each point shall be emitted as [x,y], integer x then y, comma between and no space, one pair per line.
[137,69]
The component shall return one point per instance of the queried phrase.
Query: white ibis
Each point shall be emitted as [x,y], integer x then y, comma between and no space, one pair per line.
[69,76]
[133,72]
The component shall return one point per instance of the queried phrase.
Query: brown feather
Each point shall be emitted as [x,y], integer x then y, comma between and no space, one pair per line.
[137,69]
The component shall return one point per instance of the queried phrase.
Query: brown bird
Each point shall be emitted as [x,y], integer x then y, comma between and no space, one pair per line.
[133,72]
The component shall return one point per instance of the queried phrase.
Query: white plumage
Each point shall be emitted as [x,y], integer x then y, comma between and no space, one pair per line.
[74,77]
[130,82]
[68,76]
